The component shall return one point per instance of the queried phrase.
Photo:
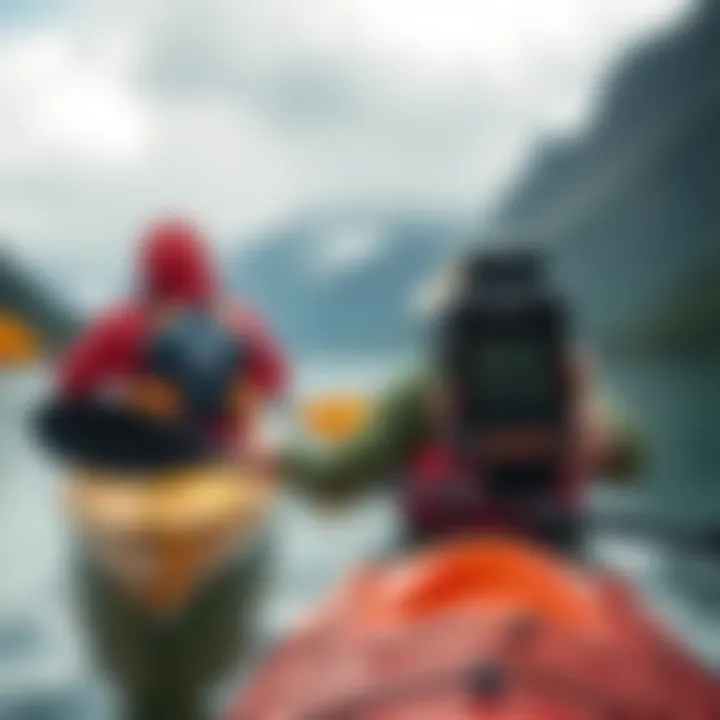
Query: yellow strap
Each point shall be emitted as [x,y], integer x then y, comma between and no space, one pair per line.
[155,398]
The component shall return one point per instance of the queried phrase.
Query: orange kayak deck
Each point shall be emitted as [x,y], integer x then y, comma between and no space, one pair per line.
[477,629]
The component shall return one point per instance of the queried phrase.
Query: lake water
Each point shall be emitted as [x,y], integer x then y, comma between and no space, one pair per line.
[44,674]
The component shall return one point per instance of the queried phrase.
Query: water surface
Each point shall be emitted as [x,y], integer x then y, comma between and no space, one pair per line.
[44,673]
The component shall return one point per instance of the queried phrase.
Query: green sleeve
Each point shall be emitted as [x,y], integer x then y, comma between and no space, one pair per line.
[398,424]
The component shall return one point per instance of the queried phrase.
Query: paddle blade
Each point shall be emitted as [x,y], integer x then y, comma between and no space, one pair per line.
[335,418]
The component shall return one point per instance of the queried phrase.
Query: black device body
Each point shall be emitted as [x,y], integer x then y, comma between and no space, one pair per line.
[505,355]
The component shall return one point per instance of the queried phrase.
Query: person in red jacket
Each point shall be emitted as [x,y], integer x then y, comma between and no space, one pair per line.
[180,346]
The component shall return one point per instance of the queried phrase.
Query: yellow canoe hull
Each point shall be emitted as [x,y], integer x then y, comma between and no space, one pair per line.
[161,538]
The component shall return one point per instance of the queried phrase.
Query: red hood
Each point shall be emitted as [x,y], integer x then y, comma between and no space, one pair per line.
[175,264]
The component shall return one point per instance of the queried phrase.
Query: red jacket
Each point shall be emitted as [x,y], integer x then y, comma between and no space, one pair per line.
[174,269]
[441,498]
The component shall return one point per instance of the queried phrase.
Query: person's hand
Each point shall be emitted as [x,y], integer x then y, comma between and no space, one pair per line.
[256,458]
[593,436]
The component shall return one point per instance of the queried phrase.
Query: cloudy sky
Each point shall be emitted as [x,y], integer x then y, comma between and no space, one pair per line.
[242,113]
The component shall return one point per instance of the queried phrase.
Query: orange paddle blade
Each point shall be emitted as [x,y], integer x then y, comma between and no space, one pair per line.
[335,418]
[19,344]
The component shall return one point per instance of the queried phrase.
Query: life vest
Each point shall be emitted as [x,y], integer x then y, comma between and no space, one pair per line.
[441,497]
[192,366]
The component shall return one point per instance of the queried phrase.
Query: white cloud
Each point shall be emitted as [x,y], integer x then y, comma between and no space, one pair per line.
[57,106]
[240,112]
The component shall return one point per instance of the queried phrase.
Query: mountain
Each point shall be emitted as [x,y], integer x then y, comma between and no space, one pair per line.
[688,320]
[343,281]
[631,206]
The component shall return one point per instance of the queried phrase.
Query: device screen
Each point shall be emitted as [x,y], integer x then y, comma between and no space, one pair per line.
[516,376]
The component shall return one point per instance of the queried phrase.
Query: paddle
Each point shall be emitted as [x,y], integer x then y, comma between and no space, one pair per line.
[679,534]
[115,438]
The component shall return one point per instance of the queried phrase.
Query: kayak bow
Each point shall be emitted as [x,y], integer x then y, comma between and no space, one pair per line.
[473,629]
